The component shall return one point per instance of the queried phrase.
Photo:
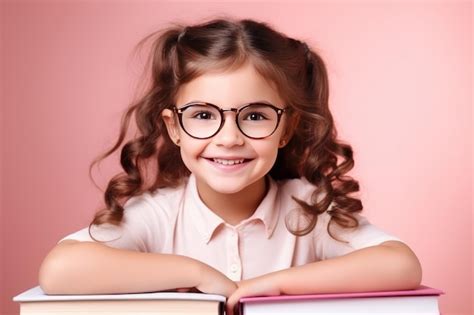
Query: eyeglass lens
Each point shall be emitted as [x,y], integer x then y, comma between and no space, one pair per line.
[255,121]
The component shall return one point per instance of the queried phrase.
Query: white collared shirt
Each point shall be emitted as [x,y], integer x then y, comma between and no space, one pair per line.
[176,221]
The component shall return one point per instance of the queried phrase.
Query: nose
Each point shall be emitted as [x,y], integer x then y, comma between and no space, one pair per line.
[230,134]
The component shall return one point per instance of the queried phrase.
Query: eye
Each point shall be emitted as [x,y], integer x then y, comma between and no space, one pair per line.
[255,116]
[203,115]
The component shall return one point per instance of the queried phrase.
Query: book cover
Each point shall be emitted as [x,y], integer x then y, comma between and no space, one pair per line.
[423,300]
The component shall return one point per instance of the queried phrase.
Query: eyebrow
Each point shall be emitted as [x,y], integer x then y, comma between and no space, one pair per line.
[241,105]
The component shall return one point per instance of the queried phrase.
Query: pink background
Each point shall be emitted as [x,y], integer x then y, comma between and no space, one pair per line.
[401,84]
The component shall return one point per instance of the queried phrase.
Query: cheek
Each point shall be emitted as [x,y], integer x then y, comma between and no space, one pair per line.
[187,158]
[267,150]
[191,150]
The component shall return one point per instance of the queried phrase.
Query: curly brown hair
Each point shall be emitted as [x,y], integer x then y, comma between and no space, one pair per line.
[180,53]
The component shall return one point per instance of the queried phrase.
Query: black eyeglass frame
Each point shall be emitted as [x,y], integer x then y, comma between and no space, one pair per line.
[179,112]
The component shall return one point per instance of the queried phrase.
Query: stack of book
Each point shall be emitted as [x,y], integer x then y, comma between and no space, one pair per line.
[423,300]
[36,302]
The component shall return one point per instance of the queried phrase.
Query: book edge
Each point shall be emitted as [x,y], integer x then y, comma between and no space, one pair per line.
[36,294]
[269,306]
[421,291]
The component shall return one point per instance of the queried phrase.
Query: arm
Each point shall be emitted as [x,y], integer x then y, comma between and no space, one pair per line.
[74,267]
[389,266]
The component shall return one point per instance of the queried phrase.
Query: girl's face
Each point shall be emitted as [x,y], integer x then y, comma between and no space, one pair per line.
[227,90]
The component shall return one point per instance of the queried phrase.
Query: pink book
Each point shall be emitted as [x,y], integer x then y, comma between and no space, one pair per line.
[423,300]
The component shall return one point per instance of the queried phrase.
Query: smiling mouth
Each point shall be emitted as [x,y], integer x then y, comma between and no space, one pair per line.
[228,162]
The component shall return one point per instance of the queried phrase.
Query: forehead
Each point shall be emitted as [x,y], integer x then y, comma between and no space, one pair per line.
[230,88]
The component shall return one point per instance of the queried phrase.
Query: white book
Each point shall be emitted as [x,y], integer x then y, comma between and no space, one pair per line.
[35,302]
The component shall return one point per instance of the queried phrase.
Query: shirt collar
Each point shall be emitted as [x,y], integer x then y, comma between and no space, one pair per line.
[207,222]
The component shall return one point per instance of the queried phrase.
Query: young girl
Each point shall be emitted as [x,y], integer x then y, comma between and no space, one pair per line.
[248,194]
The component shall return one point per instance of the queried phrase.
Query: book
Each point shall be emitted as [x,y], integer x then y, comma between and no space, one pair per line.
[35,302]
[423,300]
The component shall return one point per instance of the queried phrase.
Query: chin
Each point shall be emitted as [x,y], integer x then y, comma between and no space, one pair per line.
[226,188]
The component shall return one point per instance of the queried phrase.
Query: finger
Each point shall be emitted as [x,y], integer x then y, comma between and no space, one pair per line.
[193,289]
[232,305]
[183,290]
[233,309]
[229,310]
[236,308]
[229,305]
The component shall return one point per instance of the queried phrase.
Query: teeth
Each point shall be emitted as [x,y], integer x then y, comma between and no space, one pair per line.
[228,162]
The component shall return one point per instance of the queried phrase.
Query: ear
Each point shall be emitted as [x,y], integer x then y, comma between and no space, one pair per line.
[171,125]
[289,130]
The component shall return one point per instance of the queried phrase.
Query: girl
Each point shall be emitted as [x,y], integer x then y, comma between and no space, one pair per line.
[248,194]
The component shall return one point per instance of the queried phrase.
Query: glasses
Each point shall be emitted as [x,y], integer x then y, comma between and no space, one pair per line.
[202,120]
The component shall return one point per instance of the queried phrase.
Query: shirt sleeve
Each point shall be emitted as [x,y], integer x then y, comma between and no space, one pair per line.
[140,219]
[365,235]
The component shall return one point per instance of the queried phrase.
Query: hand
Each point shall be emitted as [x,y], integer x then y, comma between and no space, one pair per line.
[265,285]
[214,282]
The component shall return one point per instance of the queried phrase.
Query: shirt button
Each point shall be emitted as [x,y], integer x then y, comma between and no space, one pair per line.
[233,268]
